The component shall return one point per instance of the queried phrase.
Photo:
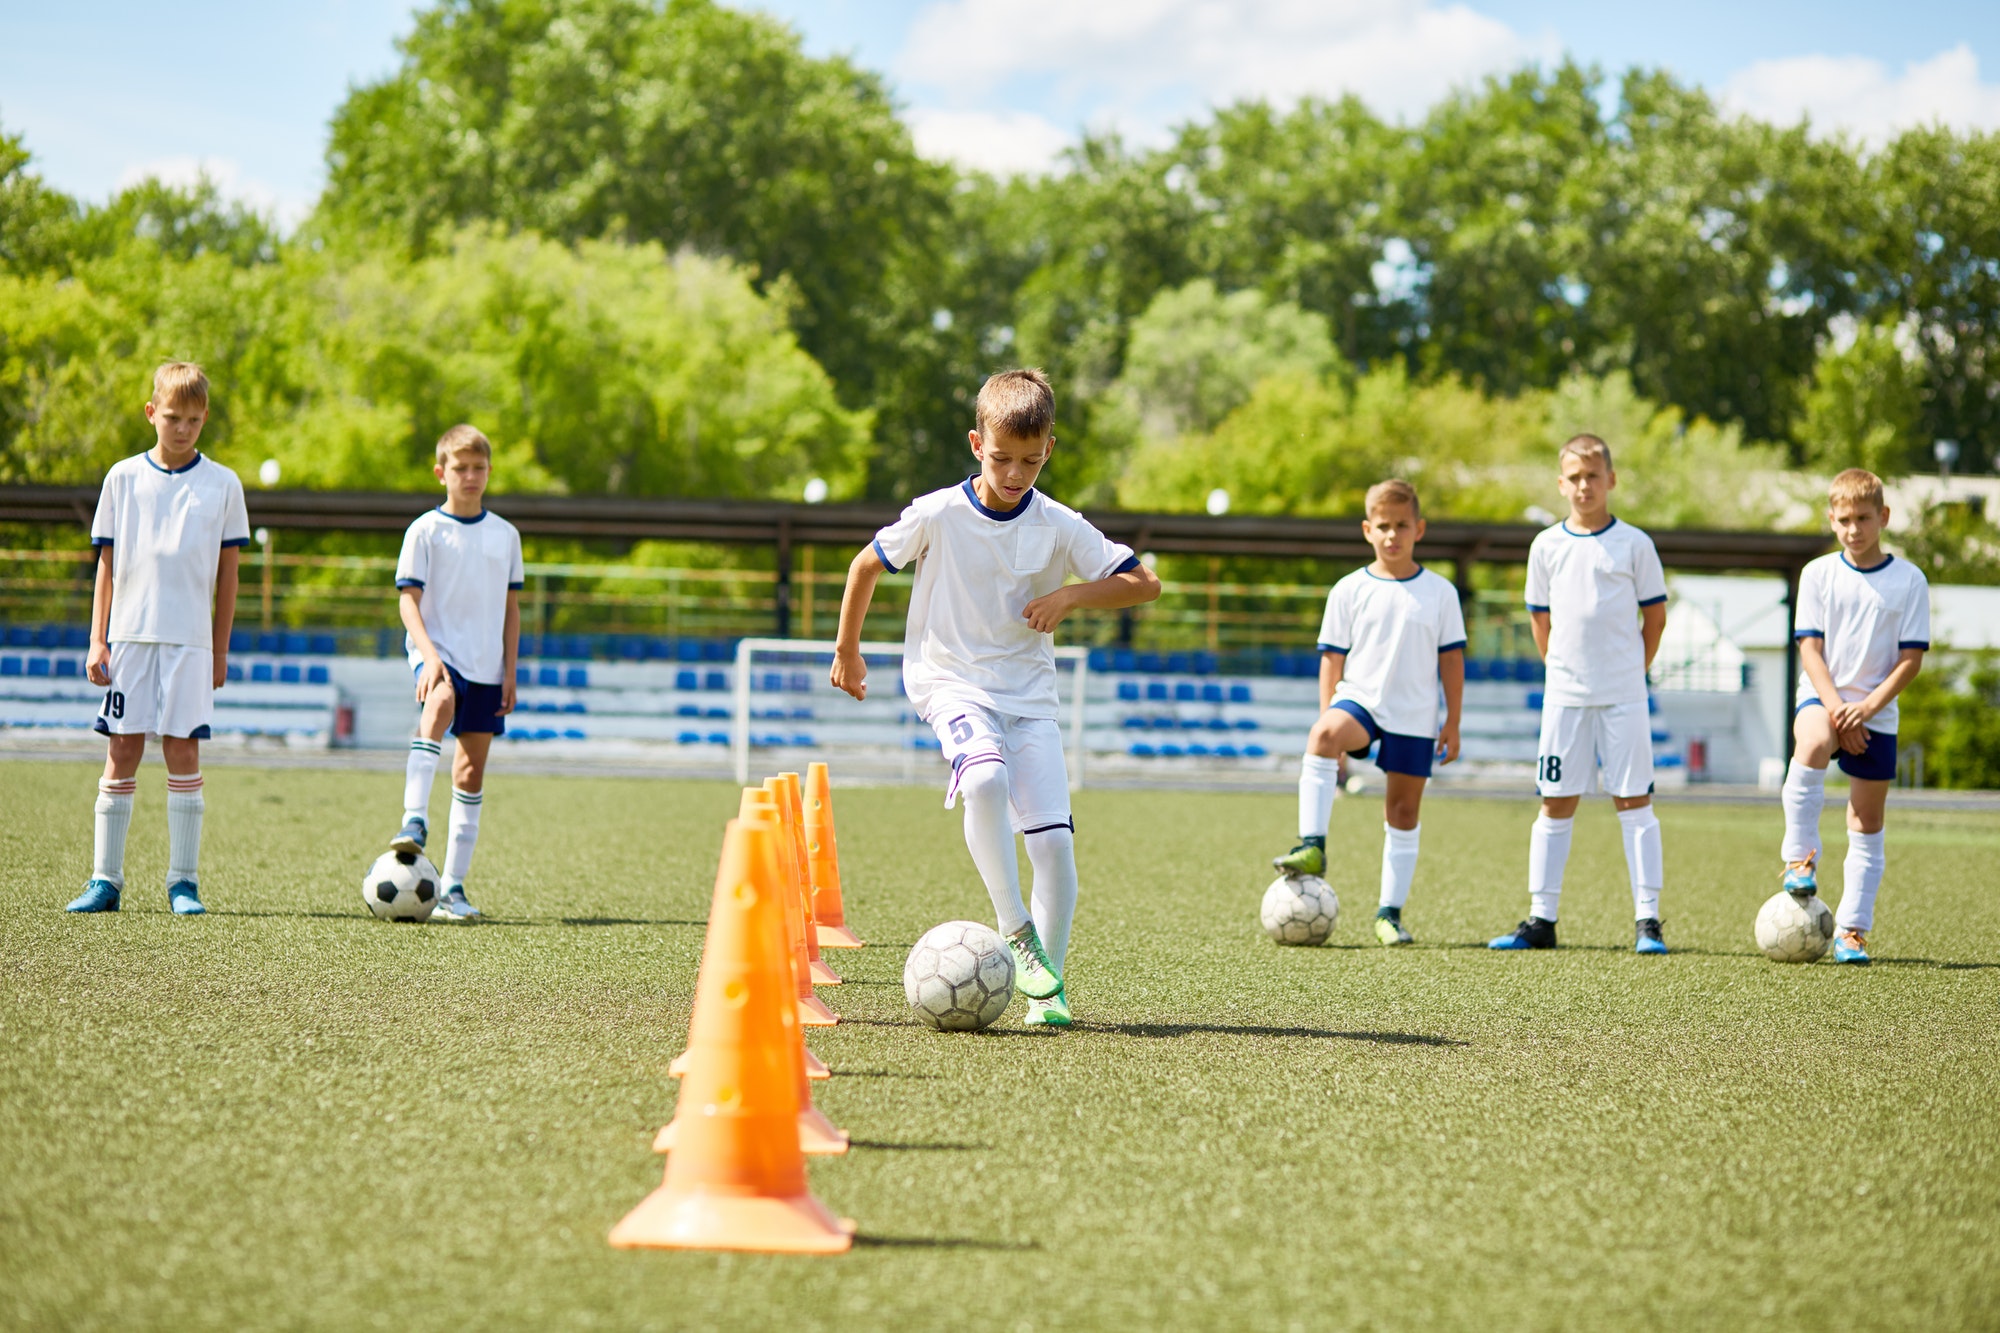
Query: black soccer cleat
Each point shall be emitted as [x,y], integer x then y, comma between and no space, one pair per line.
[1648,939]
[1534,933]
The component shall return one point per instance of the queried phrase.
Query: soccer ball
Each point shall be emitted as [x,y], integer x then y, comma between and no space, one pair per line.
[1300,910]
[1791,930]
[400,887]
[960,977]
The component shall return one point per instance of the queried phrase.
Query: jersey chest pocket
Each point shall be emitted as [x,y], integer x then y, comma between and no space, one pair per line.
[1033,549]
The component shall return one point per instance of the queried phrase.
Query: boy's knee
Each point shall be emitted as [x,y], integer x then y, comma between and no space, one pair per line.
[1052,840]
[982,779]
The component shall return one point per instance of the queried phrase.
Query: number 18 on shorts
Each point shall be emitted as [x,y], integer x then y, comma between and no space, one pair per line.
[1578,740]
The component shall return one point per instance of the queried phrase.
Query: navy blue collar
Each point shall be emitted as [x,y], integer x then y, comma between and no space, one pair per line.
[170,471]
[1564,525]
[456,519]
[1000,515]
[1373,575]
[1887,560]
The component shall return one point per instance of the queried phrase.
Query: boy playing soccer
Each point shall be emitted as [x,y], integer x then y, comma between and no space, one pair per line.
[460,574]
[990,557]
[1392,631]
[1597,600]
[169,527]
[1864,624]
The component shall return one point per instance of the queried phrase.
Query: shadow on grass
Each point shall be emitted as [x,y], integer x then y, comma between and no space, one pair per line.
[299,916]
[619,921]
[921,1147]
[1684,949]
[852,981]
[920,1027]
[879,1073]
[941,1243]
[1234,1030]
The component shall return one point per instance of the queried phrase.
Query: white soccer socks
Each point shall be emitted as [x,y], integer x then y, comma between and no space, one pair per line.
[1804,796]
[418,775]
[989,836]
[1862,876]
[184,810]
[1052,853]
[464,836]
[1644,859]
[1319,783]
[1548,853]
[1399,864]
[114,819]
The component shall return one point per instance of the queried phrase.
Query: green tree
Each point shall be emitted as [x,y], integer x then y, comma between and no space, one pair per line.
[1864,407]
[1952,710]
[35,221]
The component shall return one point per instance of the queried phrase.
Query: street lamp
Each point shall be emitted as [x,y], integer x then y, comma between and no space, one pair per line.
[1218,502]
[1946,453]
[267,472]
[816,490]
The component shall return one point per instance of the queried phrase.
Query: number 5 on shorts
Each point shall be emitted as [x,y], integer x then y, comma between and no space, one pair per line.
[961,730]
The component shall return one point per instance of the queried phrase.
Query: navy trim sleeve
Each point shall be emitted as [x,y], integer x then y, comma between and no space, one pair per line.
[1130,562]
[100,541]
[1654,601]
[1329,648]
[237,541]
[1923,644]
[409,583]
[883,556]
[516,587]
[1543,609]
[1809,634]
[1451,647]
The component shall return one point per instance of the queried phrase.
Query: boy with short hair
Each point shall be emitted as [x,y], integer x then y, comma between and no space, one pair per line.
[1393,631]
[460,574]
[1597,600]
[1864,625]
[169,526]
[990,557]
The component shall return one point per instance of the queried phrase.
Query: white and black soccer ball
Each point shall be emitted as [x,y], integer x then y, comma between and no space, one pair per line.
[959,977]
[1791,929]
[1300,909]
[400,887]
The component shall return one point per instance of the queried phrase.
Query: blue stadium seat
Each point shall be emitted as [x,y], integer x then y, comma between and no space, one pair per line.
[1124,659]
[49,636]
[239,641]
[1225,752]
[1204,664]
[1157,689]
[718,650]
[718,738]
[66,667]
[1668,761]
[1100,659]
[1151,664]
[1535,700]
[289,673]
[1170,752]
[689,738]
[1218,724]
[322,645]
[687,710]
[798,682]
[548,675]
[1660,738]
[1185,692]
[1211,693]
[261,671]
[1239,694]
[235,671]
[1192,724]
[270,643]
[545,706]
[715,713]
[770,682]
[573,733]
[1245,724]
[687,680]
[688,650]
[802,714]
[577,678]
[10,666]
[1140,750]
[1128,691]
[715,680]
[1254,752]
[523,676]
[1178,664]
[1527,672]
[1134,724]
[318,675]
[297,643]
[801,739]
[1164,724]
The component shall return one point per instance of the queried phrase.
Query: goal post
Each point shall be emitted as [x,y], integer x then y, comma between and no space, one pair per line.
[784,684]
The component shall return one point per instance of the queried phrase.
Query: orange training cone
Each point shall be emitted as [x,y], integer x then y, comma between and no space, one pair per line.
[823,863]
[813,1011]
[737,1180]
[815,1067]
[790,810]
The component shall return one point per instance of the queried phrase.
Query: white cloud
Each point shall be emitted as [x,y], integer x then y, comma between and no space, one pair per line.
[184,170]
[1861,97]
[1002,142]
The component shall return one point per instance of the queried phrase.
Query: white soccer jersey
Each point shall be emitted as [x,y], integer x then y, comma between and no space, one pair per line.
[465,567]
[1592,585]
[1864,618]
[1392,631]
[166,531]
[976,570]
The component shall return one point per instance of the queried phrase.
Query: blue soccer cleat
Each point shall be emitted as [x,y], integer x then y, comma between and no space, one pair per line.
[100,895]
[1649,940]
[1850,946]
[454,909]
[185,899]
[1534,933]
[410,842]
[1799,877]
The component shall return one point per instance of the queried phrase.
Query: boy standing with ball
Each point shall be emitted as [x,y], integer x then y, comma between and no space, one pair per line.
[1393,631]
[1864,625]
[1597,602]
[169,527]
[991,557]
[460,576]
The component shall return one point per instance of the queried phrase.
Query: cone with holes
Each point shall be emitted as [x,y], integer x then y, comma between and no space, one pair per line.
[737,1180]
[791,811]
[823,863]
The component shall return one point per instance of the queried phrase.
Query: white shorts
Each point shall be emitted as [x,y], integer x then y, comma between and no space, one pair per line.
[1030,747]
[1579,740]
[159,689]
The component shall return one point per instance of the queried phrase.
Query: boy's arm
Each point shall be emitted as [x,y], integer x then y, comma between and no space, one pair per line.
[1909,662]
[411,607]
[850,673]
[225,609]
[1538,625]
[1652,624]
[510,650]
[1332,666]
[97,665]
[1114,592]
[1451,673]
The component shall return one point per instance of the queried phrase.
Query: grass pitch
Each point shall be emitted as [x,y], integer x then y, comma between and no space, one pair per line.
[289,1114]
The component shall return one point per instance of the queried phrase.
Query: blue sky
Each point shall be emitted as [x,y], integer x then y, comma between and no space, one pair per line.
[243,90]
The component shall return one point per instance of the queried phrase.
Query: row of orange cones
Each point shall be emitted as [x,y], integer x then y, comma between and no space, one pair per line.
[745,1120]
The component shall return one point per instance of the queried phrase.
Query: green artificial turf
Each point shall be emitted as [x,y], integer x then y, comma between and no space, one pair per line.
[290,1115]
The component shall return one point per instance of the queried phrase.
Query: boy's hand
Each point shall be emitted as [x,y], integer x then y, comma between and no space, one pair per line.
[849,674]
[97,665]
[1447,746]
[221,670]
[506,696]
[1847,717]
[430,678]
[1854,739]
[1046,612]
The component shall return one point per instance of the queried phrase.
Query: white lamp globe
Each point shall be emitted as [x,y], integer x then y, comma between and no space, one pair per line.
[1218,502]
[816,490]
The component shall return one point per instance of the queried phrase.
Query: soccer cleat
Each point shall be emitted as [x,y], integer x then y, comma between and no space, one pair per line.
[1034,974]
[1850,946]
[1534,933]
[1052,1012]
[1800,881]
[1389,926]
[1305,859]
[185,899]
[410,842]
[100,895]
[1649,940]
[453,907]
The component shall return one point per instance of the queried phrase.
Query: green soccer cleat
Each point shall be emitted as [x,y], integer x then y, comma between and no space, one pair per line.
[1389,926]
[1308,858]
[1050,1013]
[1034,975]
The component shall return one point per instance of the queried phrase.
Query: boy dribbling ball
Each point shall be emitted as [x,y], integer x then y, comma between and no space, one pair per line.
[169,527]
[460,576]
[1864,625]
[1393,631]
[1597,602]
[990,557]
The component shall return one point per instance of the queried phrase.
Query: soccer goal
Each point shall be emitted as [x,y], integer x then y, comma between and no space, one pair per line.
[785,705]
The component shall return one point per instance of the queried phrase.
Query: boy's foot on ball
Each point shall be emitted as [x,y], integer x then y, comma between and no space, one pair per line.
[100,895]
[185,899]
[1534,933]
[1649,940]
[453,907]
[1052,1012]
[1850,946]
[1389,926]
[1799,877]
[1308,858]
[1033,972]
[410,842]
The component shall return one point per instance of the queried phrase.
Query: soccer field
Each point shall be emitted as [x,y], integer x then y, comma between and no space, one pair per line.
[289,1114]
